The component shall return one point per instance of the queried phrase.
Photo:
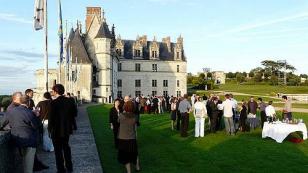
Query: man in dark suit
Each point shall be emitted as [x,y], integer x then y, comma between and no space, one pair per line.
[60,127]
[73,100]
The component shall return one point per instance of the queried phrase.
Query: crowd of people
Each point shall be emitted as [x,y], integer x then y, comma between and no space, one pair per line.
[48,124]
[218,113]
[51,122]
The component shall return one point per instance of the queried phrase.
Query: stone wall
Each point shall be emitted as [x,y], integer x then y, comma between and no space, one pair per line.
[10,160]
[166,70]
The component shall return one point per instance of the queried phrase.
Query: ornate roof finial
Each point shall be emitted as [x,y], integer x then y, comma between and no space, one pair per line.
[103,16]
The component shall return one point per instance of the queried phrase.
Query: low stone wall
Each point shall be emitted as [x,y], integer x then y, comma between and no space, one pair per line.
[10,160]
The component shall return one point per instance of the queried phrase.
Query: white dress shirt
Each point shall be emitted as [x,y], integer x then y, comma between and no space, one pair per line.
[270,111]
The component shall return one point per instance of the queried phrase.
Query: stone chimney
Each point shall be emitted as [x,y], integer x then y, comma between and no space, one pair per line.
[143,40]
[167,41]
[91,12]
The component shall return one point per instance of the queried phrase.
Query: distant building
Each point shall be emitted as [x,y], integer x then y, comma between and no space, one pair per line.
[303,80]
[219,77]
[102,67]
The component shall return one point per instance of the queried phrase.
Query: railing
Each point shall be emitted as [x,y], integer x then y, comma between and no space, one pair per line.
[10,159]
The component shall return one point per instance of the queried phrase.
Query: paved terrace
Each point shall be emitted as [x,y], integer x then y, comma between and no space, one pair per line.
[84,152]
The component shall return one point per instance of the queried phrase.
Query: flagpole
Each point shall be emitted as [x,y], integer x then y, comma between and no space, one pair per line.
[66,47]
[60,58]
[46,45]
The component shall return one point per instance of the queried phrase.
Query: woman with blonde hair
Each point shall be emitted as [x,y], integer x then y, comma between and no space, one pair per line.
[127,142]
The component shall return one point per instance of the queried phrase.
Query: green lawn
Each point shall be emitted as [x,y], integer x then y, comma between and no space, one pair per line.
[164,151]
[265,90]
[294,105]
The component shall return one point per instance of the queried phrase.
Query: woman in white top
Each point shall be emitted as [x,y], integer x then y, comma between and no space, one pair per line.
[200,114]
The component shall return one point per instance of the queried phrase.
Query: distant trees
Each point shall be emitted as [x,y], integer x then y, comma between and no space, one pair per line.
[240,78]
[201,81]
[5,101]
[270,72]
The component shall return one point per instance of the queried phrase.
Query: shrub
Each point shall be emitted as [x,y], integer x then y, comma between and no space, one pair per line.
[6,101]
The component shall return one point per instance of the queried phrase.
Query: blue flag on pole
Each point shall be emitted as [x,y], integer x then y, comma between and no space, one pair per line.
[60,33]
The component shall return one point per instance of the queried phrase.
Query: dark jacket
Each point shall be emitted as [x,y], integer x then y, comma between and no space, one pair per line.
[24,126]
[213,108]
[44,109]
[252,107]
[60,118]
[113,117]
[5,123]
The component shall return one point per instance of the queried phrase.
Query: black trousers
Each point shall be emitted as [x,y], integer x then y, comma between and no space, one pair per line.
[63,154]
[213,119]
[115,135]
[74,123]
[263,118]
[184,125]
[178,120]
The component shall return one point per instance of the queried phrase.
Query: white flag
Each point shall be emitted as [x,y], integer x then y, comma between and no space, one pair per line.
[39,14]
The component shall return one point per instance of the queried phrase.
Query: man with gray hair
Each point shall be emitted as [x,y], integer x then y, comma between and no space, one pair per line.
[24,132]
[16,98]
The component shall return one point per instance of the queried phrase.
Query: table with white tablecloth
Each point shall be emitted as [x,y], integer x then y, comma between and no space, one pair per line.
[279,131]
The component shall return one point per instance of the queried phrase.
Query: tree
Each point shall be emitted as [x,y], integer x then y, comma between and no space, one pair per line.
[209,75]
[240,78]
[258,77]
[189,79]
[293,79]
[303,76]
[6,101]
[230,75]
[251,74]
[274,80]
[244,74]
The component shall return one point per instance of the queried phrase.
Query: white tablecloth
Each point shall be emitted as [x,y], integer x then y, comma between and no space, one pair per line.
[279,131]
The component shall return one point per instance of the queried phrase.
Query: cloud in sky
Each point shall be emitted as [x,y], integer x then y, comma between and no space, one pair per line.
[251,26]
[24,53]
[14,18]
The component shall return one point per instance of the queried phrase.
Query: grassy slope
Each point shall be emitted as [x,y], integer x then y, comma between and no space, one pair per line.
[264,89]
[163,150]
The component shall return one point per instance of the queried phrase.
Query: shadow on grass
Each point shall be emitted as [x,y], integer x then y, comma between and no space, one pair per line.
[163,150]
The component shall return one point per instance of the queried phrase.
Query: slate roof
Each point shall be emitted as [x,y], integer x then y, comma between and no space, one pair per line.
[103,31]
[78,49]
[164,53]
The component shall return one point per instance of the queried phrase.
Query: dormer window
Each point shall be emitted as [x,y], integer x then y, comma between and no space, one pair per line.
[137,53]
[154,54]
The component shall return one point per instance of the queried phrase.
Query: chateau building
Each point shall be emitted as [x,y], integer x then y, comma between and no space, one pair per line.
[100,66]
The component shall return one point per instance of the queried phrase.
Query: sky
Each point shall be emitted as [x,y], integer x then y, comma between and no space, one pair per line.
[228,35]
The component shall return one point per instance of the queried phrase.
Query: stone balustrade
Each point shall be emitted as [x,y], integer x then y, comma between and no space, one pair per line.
[10,160]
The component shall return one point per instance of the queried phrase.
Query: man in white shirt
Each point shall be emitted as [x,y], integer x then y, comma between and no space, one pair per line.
[227,107]
[270,110]
[200,114]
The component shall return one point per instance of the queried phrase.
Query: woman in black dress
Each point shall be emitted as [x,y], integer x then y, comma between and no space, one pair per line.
[128,150]
[113,120]
[173,112]
[243,116]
